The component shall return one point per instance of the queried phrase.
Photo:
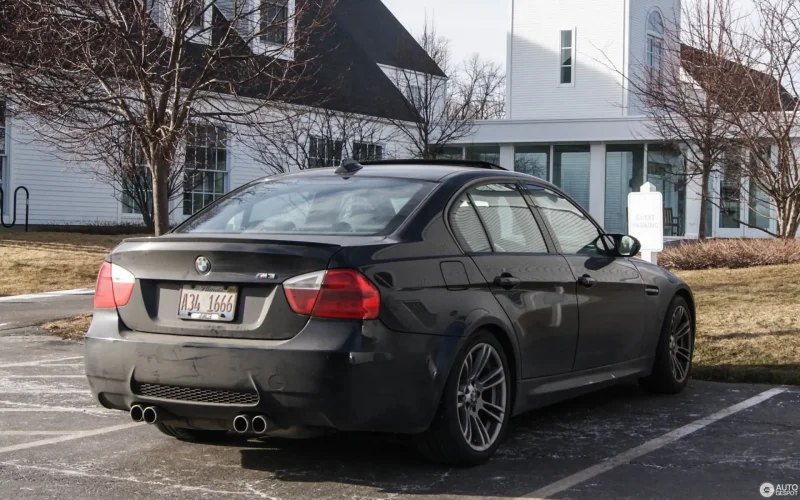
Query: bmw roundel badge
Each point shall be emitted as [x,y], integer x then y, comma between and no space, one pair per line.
[202,265]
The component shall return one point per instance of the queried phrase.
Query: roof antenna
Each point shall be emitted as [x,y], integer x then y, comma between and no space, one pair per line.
[349,166]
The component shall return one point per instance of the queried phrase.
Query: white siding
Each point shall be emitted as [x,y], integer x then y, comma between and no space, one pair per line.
[60,191]
[639,10]
[600,59]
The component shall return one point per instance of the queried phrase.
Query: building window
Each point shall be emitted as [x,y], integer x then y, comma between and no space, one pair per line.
[567,57]
[196,13]
[624,175]
[655,44]
[206,167]
[666,170]
[759,202]
[367,152]
[448,153]
[533,160]
[273,21]
[571,166]
[490,154]
[324,153]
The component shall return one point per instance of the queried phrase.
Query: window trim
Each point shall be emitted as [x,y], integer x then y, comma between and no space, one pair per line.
[464,191]
[312,138]
[573,31]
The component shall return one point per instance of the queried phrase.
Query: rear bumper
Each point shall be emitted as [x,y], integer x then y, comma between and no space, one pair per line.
[334,374]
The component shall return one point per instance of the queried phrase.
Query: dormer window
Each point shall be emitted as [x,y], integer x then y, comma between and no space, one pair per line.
[273,22]
[655,43]
[196,13]
[273,26]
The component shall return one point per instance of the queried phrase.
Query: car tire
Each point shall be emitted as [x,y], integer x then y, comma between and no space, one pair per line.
[461,405]
[673,362]
[193,435]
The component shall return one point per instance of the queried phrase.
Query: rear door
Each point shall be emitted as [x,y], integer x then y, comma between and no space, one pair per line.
[535,287]
[611,293]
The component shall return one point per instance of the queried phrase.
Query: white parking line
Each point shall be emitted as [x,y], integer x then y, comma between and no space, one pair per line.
[42,376]
[47,295]
[250,491]
[20,407]
[41,362]
[35,433]
[71,437]
[652,445]
[33,392]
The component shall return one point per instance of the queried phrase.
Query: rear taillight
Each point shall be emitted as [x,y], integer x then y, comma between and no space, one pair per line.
[337,293]
[114,286]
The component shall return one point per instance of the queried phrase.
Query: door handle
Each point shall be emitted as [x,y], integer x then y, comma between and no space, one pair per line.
[587,281]
[506,281]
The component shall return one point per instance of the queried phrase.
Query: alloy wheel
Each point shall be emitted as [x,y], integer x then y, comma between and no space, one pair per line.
[680,343]
[482,397]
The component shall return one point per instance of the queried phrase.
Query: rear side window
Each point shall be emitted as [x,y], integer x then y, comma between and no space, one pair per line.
[508,219]
[357,206]
[574,231]
[467,227]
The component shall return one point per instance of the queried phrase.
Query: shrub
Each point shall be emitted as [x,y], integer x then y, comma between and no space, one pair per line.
[730,253]
[95,227]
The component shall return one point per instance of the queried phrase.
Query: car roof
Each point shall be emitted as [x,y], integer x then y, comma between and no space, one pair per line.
[424,170]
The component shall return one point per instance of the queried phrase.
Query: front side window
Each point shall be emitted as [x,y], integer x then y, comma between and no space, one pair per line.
[567,58]
[314,206]
[508,219]
[324,152]
[367,152]
[206,167]
[655,44]
[273,16]
[572,229]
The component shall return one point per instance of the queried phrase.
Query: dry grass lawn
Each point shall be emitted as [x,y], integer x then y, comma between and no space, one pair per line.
[748,324]
[41,262]
[748,320]
[69,329]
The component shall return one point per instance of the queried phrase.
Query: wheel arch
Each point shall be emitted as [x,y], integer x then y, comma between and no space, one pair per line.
[686,295]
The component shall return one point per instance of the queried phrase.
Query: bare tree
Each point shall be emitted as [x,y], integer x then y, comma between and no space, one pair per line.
[768,65]
[479,88]
[301,138]
[153,68]
[438,117]
[677,84]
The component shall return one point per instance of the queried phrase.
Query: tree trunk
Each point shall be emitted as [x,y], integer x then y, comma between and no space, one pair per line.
[160,173]
[149,221]
[701,234]
[788,219]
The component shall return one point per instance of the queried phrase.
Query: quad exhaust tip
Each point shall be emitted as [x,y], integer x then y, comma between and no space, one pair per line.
[241,424]
[137,413]
[150,415]
[260,424]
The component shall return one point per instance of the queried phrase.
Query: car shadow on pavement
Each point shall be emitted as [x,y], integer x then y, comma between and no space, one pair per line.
[534,453]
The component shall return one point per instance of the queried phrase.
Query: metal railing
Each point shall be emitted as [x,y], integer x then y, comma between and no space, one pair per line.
[14,208]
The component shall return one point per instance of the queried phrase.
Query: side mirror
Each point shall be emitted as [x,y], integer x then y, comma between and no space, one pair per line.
[619,245]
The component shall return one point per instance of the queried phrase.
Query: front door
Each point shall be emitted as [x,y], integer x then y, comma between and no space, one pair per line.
[534,286]
[612,300]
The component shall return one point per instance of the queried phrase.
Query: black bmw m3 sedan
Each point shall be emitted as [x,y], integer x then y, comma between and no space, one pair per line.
[427,298]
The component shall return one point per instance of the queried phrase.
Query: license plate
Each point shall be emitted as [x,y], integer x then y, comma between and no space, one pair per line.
[207,302]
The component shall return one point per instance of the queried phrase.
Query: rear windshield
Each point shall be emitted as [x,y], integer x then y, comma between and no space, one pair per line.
[357,206]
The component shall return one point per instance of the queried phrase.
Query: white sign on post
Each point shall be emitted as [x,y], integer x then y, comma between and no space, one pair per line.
[646,219]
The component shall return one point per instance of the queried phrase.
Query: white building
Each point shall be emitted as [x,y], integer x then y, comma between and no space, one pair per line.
[570,118]
[366,51]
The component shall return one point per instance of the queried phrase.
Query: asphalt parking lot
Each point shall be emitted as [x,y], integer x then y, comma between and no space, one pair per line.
[712,441]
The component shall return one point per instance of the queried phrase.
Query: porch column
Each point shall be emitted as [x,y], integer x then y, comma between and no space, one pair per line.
[507,156]
[694,200]
[597,181]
